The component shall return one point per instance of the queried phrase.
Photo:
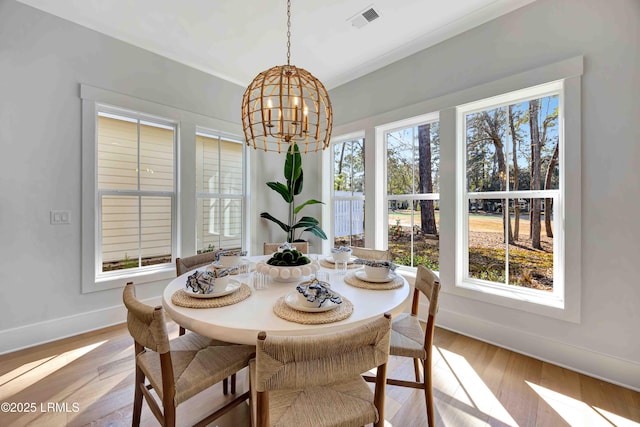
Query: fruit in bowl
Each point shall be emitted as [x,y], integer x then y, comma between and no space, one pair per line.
[341,254]
[288,258]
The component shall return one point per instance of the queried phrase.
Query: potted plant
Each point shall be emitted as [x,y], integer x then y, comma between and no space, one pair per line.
[294,176]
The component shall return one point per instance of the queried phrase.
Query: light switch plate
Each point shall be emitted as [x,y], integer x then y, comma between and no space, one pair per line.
[60,217]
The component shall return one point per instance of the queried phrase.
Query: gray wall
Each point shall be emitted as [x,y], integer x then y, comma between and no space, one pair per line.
[544,32]
[43,60]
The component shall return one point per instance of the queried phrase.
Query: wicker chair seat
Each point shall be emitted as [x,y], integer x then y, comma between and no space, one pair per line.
[321,406]
[198,363]
[407,337]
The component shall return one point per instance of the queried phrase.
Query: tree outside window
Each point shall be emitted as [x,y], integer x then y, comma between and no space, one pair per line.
[512,187]
[413,163]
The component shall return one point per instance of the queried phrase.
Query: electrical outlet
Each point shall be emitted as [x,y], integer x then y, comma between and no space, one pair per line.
[60,217]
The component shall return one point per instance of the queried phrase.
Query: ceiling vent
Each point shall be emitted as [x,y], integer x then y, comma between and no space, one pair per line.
[363,18]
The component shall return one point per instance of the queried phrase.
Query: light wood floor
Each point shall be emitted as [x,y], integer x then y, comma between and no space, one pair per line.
[476,384]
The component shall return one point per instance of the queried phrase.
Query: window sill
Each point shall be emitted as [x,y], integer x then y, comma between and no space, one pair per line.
[113,281]
[516,299]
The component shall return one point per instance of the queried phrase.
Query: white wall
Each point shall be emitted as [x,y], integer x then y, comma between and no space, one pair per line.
[43,61]
[605,343]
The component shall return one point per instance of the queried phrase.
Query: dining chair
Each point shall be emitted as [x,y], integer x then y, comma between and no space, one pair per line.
[187,264]
[316,380]
[269,248]
[373,254]
[408,339]
[178,369]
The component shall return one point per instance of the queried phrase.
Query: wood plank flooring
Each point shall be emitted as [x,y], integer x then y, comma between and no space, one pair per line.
[88,381]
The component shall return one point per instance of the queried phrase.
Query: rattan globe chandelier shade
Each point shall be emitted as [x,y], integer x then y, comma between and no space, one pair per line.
[287,105]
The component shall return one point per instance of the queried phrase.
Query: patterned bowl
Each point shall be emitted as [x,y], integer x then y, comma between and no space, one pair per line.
[288,274]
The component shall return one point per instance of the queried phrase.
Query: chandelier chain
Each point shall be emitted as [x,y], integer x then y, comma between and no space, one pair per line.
[288,32]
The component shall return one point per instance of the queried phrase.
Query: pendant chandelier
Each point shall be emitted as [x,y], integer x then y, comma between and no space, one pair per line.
[287,105]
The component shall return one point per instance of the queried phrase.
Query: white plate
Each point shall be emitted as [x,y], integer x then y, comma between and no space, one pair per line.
[330,260]
[362,275]
[292,301]
[231,287]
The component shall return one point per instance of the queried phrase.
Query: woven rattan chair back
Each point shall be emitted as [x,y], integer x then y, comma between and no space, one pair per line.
[189,263]
[372,254]
[146,324]
[300,362]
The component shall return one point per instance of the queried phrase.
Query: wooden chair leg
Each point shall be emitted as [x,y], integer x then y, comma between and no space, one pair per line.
[169,416]
[225,386]
[416,368]
[181,331]
[137,398]
[233,383]
[428,392]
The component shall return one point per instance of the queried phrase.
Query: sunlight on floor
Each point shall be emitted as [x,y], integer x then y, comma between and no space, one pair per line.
[616,420]
[479,395]
[577,413]
[28,374]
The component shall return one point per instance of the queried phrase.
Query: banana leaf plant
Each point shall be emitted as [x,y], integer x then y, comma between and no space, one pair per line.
[294,176]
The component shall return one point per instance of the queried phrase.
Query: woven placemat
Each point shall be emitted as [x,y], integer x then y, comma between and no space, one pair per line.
[341,312]
[183,299]
[326,264]
[351,279]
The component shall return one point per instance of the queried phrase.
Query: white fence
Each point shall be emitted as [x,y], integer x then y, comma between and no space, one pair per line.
[348,215]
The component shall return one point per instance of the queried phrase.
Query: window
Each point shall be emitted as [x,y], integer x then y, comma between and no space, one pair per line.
[135,194]
[512,171]
[413,163]
[348,192]
[219,192]
[139,196]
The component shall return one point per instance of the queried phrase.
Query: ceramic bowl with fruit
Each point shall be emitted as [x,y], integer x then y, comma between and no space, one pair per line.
[289,265]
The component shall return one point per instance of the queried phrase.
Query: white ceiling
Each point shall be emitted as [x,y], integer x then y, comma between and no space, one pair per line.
[235,39]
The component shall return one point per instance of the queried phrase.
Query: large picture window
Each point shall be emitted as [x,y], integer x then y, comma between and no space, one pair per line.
[219,192]
[135,191]
[512,147]
[348,192]
[413,170]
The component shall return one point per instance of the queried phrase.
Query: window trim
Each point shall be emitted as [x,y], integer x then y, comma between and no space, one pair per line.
[184,219]
[569,70]
[560,303]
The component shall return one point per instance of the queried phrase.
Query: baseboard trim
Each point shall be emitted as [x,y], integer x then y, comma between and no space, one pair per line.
[22,337]
[612,369]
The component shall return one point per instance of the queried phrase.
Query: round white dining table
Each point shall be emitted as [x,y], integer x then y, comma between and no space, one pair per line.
[241,322]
